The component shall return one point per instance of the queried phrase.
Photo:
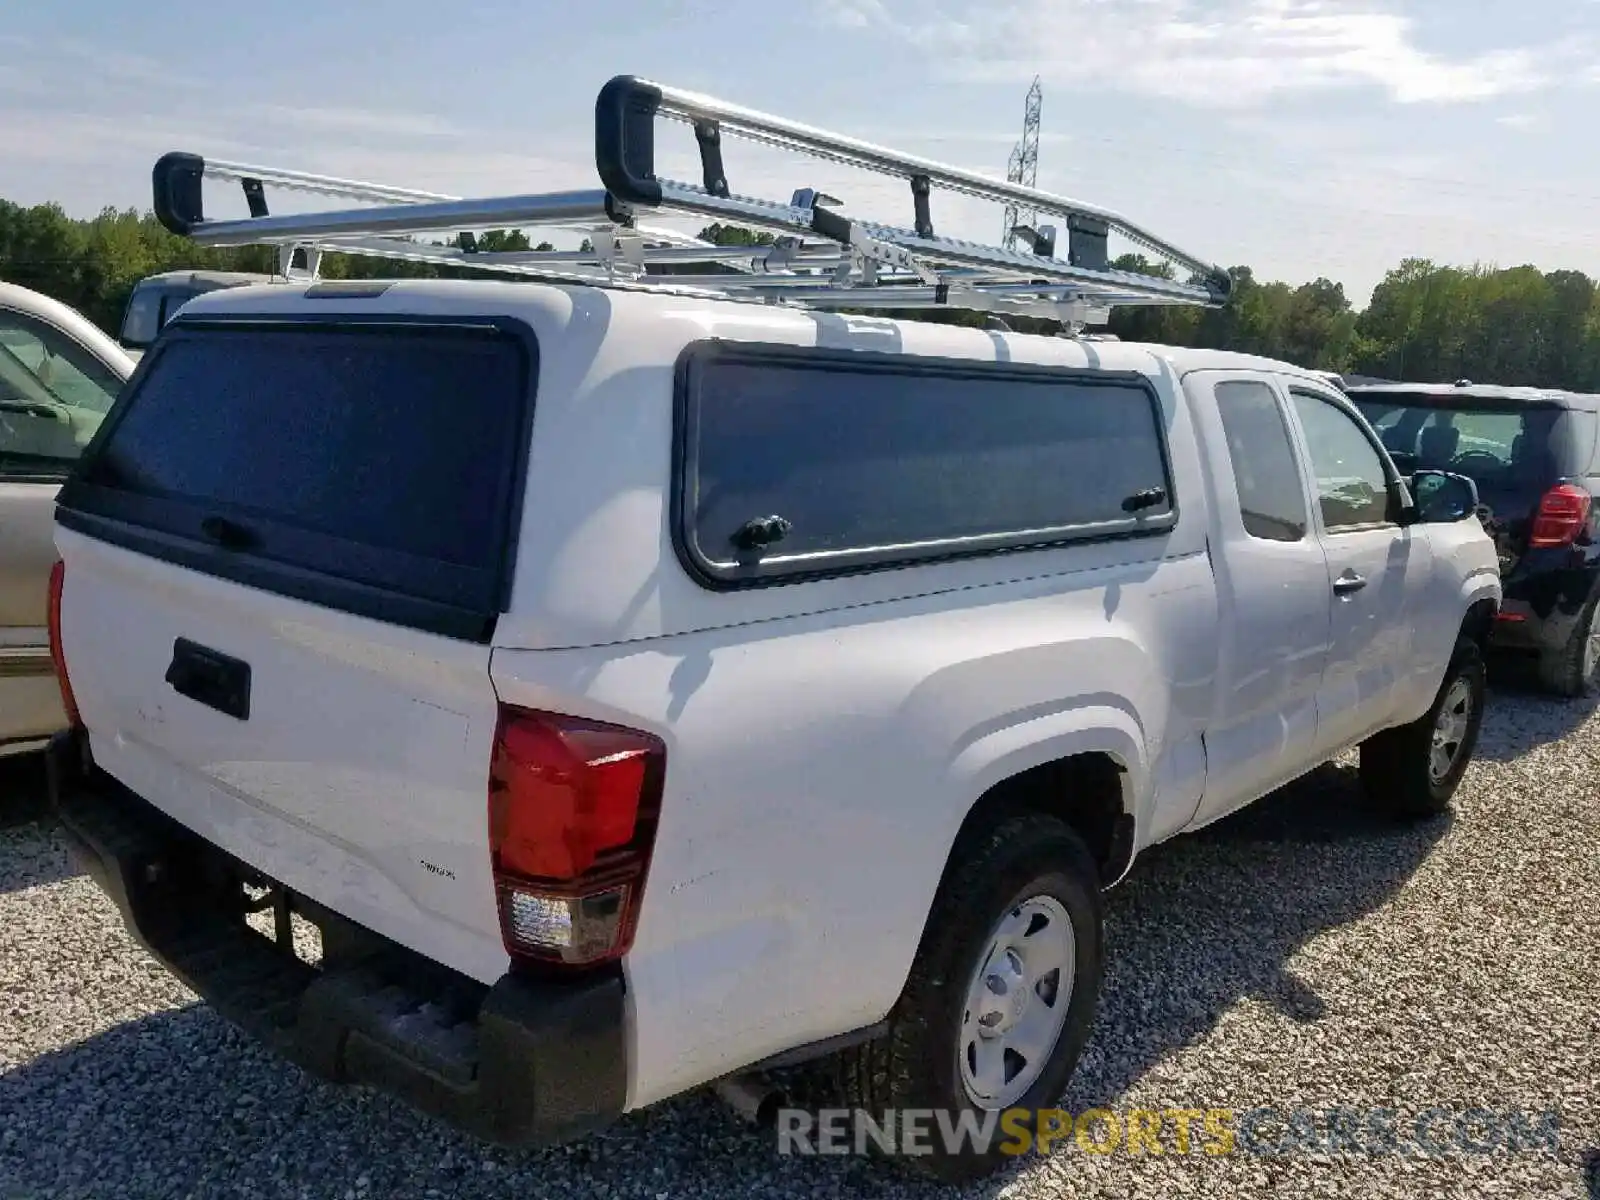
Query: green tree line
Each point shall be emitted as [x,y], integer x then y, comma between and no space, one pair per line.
[1425,321]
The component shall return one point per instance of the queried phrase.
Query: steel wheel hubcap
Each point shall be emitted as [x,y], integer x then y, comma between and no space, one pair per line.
[1591,650]
[1017,1002]
[1450,729]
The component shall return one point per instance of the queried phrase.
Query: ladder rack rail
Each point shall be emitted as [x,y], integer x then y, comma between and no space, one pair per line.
[816,256]
[633,103]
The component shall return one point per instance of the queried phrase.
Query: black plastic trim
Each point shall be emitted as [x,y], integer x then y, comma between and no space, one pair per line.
[349,289]
[821,1048]
[709,136]
[176,182]
[295,583]
[715,577]
[921,185]
[210,677]
[255,197]
[1086,243]
[625,139]
[433,597]
[528,1063]
[831,225]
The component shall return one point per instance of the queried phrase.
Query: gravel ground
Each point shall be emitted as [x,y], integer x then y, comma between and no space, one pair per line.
[1300,956]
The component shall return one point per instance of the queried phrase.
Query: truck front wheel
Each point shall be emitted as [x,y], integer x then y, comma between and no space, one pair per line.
[998,1004]
[1413,770]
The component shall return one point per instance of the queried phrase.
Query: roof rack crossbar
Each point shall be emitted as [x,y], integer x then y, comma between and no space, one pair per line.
[815,254]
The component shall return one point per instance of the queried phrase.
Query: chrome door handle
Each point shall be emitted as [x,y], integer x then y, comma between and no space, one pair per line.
[1348,584]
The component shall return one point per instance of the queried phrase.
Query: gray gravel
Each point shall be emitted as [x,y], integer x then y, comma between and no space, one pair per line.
[1301,955]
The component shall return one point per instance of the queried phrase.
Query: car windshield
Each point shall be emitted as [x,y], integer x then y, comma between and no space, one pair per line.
[53,395]
[1495,446]
[150,307]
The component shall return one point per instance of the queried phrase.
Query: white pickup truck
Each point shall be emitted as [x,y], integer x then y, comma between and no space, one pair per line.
[640,688]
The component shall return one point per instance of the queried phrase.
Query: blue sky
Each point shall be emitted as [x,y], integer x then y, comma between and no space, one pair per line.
[1304,137]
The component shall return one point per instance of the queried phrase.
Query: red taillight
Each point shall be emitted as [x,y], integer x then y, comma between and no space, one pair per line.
[58,579]
[1563,514]
[572,819]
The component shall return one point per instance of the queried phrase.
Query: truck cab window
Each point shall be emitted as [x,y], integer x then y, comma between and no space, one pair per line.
[1271,495]
[1352,488]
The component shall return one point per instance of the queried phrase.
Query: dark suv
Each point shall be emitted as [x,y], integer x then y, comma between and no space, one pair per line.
[1534,457]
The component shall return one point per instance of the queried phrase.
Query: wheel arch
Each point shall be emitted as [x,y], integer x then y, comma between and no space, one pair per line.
[1087,765]
[1090,791]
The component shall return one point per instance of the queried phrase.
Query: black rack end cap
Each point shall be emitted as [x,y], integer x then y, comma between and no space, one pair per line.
[175,182]
[624,139]
[1220,284]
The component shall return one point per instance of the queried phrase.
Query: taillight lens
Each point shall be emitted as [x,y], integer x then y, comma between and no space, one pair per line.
[1563,514]
[58,579]
[573,806]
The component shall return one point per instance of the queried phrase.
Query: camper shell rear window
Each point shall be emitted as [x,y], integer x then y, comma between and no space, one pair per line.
[374,466]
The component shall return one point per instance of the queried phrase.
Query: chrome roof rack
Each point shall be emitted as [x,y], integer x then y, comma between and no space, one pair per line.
[818,257]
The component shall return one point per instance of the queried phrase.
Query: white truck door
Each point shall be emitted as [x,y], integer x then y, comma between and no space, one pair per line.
[1373,564]
[1272,581]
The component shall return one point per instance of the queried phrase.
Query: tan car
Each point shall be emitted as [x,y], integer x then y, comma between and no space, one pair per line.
[58,377]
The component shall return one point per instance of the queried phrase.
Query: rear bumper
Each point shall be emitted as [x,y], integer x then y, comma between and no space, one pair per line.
[1544,602]
[525,1062]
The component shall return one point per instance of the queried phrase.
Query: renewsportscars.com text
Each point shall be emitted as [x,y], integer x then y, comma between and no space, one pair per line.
[1434,1132]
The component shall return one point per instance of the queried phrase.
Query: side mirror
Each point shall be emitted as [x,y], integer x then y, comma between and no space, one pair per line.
[1442,497]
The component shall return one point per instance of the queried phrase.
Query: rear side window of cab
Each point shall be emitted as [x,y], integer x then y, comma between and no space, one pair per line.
[796,463]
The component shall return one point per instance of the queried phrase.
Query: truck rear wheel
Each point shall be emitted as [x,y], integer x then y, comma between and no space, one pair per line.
[999,1001]
[1413,770]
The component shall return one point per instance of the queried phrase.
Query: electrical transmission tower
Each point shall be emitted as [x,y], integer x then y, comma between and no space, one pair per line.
[1024,165]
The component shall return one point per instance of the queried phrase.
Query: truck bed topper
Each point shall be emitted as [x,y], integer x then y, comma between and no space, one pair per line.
[820,258]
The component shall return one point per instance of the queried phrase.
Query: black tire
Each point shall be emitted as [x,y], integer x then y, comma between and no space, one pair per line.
[1395,769]
[1571,670]
[916,1064]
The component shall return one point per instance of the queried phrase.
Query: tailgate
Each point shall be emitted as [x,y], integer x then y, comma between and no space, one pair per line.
[283,560]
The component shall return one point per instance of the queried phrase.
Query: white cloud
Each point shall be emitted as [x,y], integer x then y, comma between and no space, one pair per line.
[854,14]
[1221,53]
[359,121]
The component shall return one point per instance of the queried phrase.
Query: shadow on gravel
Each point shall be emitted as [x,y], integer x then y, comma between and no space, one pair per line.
[1521,717]
[23,793]
[31,855]
[1209,919]
[180,1104]
[30,852]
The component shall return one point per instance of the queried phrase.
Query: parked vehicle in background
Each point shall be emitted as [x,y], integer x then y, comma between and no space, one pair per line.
[1535,456]
[157,297]
[58,377]
[642,684]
